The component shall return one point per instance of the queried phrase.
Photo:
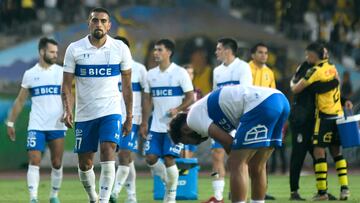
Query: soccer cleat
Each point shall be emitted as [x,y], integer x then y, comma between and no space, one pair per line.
[344,194]
[295,196]
[320,197]
[54,200]
[112,199]
[331,197]
[213,200]
[34,201]
[269,197]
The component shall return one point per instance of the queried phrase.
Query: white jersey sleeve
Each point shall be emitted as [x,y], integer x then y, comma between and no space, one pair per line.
[126,56]
[143,79]
[69,60]
[25,81]
[185,82]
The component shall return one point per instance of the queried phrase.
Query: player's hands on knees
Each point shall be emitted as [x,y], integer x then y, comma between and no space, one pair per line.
[143,130]
[127,126]
[68,119]
[11,133]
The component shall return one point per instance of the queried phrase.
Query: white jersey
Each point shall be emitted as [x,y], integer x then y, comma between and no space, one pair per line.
[138,80]
[234,102]
[167,89]
[44,86]
[97,72]
[238,72]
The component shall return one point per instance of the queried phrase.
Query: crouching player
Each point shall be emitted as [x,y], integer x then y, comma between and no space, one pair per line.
[256,113]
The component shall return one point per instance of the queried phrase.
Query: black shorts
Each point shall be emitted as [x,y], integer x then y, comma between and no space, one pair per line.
[325,133]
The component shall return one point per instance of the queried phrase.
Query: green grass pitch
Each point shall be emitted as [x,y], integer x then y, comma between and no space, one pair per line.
[15,191]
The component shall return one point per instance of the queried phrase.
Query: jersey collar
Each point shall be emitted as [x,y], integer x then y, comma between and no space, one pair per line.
[89,45]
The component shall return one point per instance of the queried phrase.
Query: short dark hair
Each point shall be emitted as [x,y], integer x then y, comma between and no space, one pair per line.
[44,41]
[255,47]
[99,10]
[229,43]
[123,39]
[168,44]
[175,127]
[318,48]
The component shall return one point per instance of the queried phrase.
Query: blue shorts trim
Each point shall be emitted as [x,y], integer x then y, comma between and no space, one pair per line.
[88,134]
[161,145]
[130,142]
[37,139]
[262,126]
[190,147]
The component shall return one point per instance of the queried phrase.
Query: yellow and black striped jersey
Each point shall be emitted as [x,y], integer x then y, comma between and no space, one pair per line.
[327,103]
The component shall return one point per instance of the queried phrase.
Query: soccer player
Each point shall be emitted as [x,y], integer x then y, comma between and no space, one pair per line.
[125,173]
[256,113]
[328,109]
[43,83]
[170,91]
[96,62]
[232,71]
[302,120]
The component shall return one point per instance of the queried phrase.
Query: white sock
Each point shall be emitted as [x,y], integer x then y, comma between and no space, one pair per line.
[239,202]
[56,179]
[257,201]
[171,185]
[218,187]
[159,169]
[122,173]
[130,183]
[87,179]
[106,181]
[33,178]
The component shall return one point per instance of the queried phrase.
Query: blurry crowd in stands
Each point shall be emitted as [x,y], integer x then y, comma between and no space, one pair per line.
[336,22]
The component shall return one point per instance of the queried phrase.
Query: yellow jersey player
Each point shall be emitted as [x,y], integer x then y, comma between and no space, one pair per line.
[328,109]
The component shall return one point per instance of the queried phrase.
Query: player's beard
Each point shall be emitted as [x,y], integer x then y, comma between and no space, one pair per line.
[98,34]
[49,60]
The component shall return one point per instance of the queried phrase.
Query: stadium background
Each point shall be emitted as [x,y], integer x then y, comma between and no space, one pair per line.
[286,26]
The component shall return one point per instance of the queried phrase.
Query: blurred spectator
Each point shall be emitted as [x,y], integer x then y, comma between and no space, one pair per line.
[90,4]
[202,71]
[197,92]
[70,8]
[27,11]
[346,86]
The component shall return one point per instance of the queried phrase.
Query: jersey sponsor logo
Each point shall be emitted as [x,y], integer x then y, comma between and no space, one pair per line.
[256,134]
[45,90]
[97,70]
[233,82]
[136,87]
[166,91]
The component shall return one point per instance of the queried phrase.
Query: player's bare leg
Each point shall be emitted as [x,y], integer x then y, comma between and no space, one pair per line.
[257,166]
[239,173]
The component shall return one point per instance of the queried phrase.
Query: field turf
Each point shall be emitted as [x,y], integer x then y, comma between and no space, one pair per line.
[13,190]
